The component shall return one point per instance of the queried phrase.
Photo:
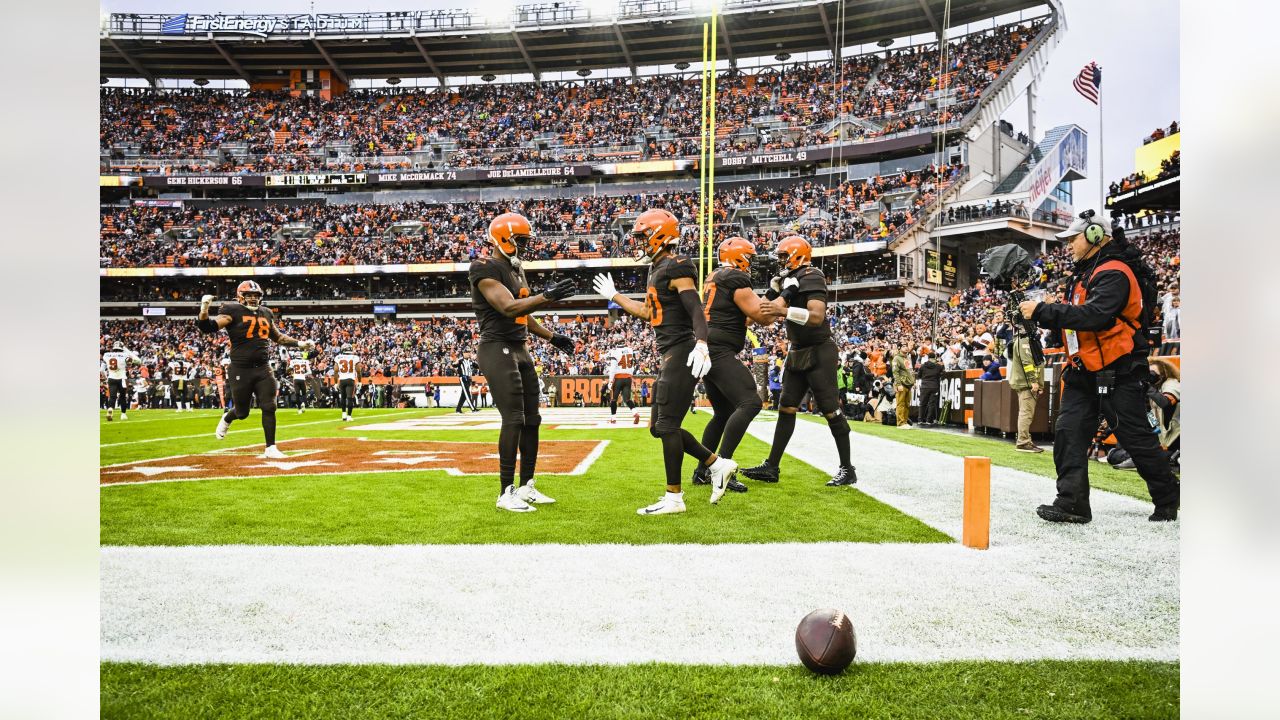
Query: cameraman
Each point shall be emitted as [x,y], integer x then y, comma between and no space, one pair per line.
[1102,330]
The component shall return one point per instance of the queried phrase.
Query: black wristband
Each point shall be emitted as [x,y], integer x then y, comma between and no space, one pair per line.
[207,326]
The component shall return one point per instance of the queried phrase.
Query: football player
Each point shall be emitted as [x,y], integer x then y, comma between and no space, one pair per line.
[504,305]
[347,365]
[250,328]
[673,308]
[800,294]
[116,362]
[621,361]
[730,302]
[299,368]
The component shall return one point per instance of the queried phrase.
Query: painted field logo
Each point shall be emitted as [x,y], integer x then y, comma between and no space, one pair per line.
[340,456]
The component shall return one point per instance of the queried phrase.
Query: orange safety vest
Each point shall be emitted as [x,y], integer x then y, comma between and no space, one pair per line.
[1099,349]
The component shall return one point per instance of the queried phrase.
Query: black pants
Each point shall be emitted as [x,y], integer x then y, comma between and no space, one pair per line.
[672,395]
[819,379]
[513,384]
[116,394]
[465,397]
[299,393]
[734,401]
[347,395]
[928,403]
[621,389]
[247,383]
[1125,409]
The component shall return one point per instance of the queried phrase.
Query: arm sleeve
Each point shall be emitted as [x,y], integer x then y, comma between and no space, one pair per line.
[1105,300]
[693,306]
[1164,402]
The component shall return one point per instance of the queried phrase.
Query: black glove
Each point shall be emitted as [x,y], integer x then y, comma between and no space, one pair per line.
[560,290]
[563,343]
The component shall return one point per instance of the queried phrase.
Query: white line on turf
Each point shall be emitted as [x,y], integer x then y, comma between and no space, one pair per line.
[1107,590]
[279,427]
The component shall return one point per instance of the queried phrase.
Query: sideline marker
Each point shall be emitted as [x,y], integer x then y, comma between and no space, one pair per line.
[976,529]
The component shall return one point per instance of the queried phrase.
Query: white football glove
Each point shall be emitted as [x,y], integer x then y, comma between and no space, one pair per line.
[306,345]
[790,283]
[776,284]
[604,286]
[206,301]
[699,361]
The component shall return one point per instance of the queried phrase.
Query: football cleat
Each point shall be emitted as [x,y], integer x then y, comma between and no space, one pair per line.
[1053,513]
[221,432]
[721,472]
[635,418]
[124,416]
[272,452]
[668,504]
[734,485]
[613,421]
[509,500]
[764,472]
[528,493]
[700,475]
[108,417]
[846,475]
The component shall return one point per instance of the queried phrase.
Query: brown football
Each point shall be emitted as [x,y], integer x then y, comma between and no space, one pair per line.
[825,641]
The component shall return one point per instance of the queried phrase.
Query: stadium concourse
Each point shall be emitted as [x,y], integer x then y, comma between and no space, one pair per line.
[359,562]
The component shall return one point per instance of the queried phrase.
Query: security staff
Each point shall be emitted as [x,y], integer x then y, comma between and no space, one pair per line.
[1101,329]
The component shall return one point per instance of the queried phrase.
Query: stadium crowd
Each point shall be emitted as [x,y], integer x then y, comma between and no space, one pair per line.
[418,231]
[588,120]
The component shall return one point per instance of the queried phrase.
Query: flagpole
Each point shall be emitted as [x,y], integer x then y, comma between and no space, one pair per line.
[1102,174]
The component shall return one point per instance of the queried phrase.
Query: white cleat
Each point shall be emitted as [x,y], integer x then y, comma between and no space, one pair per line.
[530,494]
[124,416]
[221,432]
[720,472]
[273,453]
[667,505]
[509,500]
[299,411]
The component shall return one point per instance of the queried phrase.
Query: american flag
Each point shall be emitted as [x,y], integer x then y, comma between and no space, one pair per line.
[1089,82]
[174,25]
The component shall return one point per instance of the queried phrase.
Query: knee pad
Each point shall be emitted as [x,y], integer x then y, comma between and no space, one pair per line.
[663,427]
[788,410]
[240,412]
[752,405]
[533,420]
[268,408]
[838,423]
[515,417]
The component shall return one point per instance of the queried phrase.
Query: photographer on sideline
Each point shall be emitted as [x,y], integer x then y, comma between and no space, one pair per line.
[1102,329]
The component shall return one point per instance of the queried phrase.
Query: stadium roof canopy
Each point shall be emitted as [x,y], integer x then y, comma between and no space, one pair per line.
[550,37]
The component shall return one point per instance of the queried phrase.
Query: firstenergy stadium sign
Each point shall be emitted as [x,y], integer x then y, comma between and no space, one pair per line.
[264,25]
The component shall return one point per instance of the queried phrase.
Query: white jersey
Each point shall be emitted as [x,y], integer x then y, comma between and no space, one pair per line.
[300,367]
[622,362]
[346,365]
[116,362]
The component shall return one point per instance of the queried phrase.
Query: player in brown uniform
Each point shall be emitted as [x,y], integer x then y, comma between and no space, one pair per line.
[250,327]
[730,302]
[504,305]
[800,294]
[673,308]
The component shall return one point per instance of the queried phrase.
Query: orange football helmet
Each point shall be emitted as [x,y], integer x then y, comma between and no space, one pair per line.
[509,232]
[737,252]
[654,230]
[793,252]
[249,294]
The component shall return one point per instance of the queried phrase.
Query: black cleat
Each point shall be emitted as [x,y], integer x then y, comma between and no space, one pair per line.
[1164,514]
[735,485]
[701,476]
[845,476]
[1053,513]
[764,472]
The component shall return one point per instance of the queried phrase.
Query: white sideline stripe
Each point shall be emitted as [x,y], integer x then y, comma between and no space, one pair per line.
[200,414]
[279,427]
[1108,590]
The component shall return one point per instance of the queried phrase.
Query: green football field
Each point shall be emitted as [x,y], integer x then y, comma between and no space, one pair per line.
[435,507]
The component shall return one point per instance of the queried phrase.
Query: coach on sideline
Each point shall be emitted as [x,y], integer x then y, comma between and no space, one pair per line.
[1102,329]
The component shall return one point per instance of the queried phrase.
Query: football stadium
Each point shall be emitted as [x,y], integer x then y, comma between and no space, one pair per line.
[407,317]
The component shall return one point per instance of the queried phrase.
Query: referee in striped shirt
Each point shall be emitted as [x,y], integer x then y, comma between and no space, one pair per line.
[466,367]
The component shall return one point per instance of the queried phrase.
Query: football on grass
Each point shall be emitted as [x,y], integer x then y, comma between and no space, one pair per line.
[825,641]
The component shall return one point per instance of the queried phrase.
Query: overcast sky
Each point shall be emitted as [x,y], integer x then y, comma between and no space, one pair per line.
[1135,42]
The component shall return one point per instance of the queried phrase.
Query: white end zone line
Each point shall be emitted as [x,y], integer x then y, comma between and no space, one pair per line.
[279,427]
